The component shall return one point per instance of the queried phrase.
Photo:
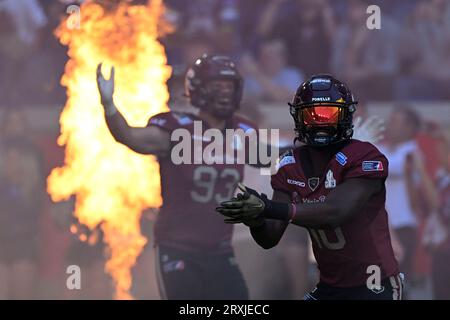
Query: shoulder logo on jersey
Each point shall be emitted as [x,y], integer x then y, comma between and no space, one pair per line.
[330,182]
[341,158]
[285,159]
[372,166]
[183,119]
[313,183]
[245,127]
[296,183]
[158,121]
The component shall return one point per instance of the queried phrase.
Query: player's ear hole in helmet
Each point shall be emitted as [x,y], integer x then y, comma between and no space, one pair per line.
[322,110]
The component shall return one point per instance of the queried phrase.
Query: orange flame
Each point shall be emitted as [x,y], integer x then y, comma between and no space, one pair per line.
[112,184]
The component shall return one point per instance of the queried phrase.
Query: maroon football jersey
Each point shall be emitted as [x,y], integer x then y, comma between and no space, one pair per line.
[344,254]
[187,219]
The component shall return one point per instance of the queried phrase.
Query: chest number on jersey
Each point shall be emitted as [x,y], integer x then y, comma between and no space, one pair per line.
[205,179]
[320,237]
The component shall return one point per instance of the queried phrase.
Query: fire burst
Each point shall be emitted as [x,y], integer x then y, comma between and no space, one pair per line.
[111,183]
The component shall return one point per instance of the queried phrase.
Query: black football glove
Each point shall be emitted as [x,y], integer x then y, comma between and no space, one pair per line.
[247,207]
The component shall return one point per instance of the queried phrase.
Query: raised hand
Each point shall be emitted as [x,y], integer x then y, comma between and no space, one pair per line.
[371,130]
[105,87]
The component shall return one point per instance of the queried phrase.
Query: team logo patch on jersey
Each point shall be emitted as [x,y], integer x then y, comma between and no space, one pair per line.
[313,183]
[330,182]
[341,158]
[184,120]
[287,159]
[372,166]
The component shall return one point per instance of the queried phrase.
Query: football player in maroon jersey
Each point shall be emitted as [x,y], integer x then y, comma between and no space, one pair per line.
[334,186]
[195,258]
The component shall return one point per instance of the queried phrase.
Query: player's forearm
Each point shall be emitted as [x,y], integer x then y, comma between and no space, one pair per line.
[317,215]
[148,140]
[117,124]
[269,234]
[340,205]
[331,213]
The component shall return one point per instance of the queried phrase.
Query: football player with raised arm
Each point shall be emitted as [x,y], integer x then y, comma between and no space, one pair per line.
[194,255]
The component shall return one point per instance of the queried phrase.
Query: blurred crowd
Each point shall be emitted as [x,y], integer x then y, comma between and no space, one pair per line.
[277,44]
